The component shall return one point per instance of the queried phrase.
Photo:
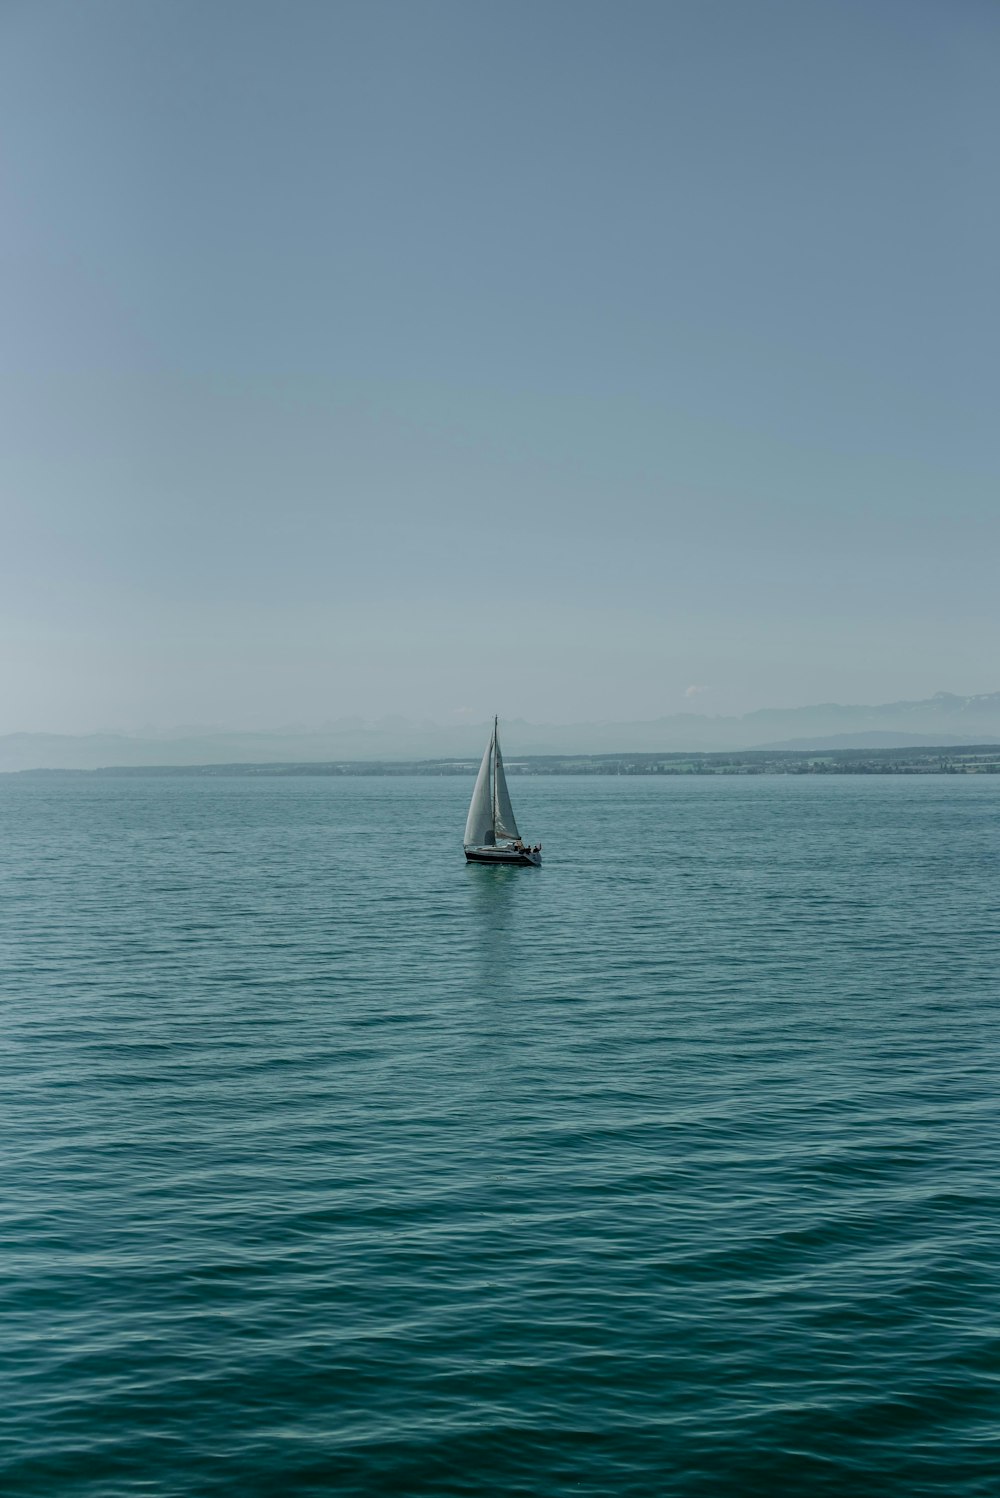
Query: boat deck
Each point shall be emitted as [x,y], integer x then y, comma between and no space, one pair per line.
[503,855]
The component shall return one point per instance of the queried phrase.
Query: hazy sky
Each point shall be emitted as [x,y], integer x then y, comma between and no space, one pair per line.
[554,358]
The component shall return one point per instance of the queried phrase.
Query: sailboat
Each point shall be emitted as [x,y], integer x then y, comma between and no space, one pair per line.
[491,834]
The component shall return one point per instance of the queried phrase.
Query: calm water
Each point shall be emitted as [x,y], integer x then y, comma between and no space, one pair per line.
[334,1166]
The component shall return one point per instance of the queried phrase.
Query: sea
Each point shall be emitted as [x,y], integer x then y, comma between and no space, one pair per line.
[332,1165]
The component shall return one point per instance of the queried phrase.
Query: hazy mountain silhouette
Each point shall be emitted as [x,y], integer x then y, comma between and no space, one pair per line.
[942,719]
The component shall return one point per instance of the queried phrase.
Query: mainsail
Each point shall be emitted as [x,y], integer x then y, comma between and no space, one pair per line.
[490,812]
[479,824]
[503,813]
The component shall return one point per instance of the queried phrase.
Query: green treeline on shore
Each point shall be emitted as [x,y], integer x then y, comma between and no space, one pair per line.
[973,759]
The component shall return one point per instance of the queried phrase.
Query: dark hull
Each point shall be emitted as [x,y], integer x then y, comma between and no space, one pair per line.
[502,855]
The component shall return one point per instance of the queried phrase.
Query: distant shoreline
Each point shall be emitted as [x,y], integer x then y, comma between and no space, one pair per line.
[971,759]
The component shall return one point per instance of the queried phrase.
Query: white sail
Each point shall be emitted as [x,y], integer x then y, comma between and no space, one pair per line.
[479,824]
[503,813]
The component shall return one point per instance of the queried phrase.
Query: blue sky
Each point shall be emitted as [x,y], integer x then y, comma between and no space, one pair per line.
[437,358]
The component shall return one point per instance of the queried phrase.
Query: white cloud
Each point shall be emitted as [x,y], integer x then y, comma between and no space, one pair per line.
[695,691]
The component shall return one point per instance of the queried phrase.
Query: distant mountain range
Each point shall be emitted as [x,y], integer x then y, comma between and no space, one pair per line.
[944,719]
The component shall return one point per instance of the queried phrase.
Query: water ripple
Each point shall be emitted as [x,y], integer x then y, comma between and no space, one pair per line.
[332,1166]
